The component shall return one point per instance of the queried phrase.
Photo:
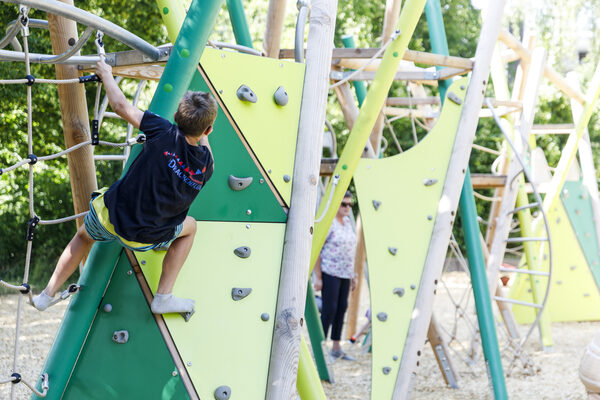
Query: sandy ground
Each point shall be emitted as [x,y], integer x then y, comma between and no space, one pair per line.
[557,378]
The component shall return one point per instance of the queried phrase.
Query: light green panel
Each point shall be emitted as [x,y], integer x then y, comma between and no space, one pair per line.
[409,187]
[577,203]
[573,292]
[270,129]
[226,342]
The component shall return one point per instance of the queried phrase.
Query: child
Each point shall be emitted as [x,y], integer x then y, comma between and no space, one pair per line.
[147,208]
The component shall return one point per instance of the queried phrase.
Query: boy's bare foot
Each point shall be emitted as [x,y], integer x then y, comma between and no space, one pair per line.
[42,301]
[167,303]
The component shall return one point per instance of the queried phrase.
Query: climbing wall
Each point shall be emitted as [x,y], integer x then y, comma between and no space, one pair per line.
[398,198]
[233,269]
[574,294]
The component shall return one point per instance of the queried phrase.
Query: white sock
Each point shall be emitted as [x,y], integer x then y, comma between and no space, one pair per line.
[42,301]
[167,303]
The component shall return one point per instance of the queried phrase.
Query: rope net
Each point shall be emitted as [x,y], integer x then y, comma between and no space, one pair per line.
[22,26]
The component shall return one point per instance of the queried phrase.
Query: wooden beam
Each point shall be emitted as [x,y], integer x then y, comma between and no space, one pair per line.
[274,28]
[553,129]
[549,72]
[147,72]
[75,117]
[487,181]
[289,316]
[406,102]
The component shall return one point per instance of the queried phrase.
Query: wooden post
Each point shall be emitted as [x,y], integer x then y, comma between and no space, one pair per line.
[434,262]
[359,271]
[75,117]
[274,29]
[390,19]
[299,230]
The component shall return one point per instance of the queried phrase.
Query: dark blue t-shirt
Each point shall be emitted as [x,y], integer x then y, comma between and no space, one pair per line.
[162,182]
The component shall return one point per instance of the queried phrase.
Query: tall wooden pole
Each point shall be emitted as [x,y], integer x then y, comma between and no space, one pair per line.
[74,111]
[274,28]
[299,230]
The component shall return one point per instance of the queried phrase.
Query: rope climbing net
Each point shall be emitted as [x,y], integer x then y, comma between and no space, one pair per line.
[22,25]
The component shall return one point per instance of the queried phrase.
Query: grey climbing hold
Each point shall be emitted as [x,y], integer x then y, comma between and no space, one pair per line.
[376,204]
[430,217]
[238,184]
[413,287]
[120,337]
[382,316]
[429,182]
[242,252]
[399,291]
[386,370]
[222,393]
[107,307]
[264,316]
[287,178]
[392,250]
[395,358]
[454,98]
[240,293]
[187,315]
[244,93]
[281,97]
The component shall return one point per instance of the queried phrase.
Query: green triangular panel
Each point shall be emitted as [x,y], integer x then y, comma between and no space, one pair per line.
[217,201]
[226,342]
[398,198]
[270,129]
[577,203]
[141,368]
[573,292]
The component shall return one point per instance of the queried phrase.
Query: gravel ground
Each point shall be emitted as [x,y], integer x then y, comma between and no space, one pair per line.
[556,379]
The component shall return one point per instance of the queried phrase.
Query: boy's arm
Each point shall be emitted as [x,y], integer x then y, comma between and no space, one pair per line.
[116,98]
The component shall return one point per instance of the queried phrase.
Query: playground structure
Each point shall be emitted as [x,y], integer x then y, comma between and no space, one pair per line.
[269,139]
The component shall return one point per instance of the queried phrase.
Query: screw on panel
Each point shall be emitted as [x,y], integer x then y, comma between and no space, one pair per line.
[430,217]
[264,316]
[222,393]
[572,267]
[143,262]
[189,363]
[382,316]
[261,181]
[413,287]
[248,212]
[376,204]
[107,307]
[287,178]
[174,373]
[429,182]
[395,358]
[247,226]
[130,272]
[393,250]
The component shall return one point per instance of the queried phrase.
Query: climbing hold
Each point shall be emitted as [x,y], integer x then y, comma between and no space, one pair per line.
[430,217]
[454,98]
[376,204]
[429,182]
[187,315]
[386,370]
[240,293]
[223,393]
[264,316]
[168,88]
[238,184]
[399,291]
[413,287]
[281,97]
[286,178]
[244,93]
[382,316]
[392,250]
[395,358]
[242,252]
[185,53]
[120,337]
[165,10]
[107,307]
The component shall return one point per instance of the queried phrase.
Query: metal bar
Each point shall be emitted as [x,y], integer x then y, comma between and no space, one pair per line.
[239,23]
[526,239]
[519,302]
[91,20]
[525,207]
[523,271]
[303,12]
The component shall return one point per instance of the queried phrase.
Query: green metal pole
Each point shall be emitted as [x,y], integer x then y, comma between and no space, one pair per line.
[359,86]
[315,333]
[468,212]
[239,23]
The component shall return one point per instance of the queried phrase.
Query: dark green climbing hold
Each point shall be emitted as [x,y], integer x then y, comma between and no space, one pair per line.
[395,54]
[344,166]
[185,53]
[165,10]
[168,88]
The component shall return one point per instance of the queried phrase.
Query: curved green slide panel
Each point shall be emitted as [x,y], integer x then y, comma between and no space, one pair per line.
[398,198]
[141,368]
[217,201]
[227,342]
[270,129]
[573,294]
[577,203]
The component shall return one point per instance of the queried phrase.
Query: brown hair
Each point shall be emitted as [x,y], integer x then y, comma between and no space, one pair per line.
[196,112]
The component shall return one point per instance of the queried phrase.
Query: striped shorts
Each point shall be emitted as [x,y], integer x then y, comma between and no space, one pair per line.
[99,227]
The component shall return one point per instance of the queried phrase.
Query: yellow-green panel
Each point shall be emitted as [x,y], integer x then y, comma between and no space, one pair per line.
[573,292]
[269,129]
[398,198]
[226,342]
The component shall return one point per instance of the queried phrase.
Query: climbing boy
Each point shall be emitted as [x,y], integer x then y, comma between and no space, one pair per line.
[147,208]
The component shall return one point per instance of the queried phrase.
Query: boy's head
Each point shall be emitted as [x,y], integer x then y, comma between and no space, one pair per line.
[196,113]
